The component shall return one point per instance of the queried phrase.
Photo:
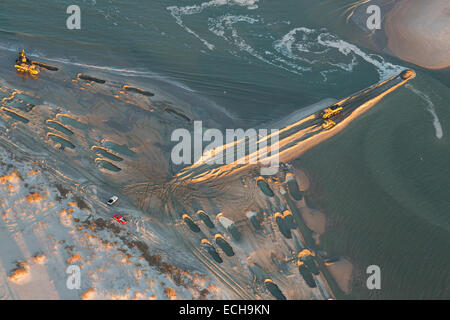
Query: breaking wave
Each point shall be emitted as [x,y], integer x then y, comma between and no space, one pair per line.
[298,51]
[179,12]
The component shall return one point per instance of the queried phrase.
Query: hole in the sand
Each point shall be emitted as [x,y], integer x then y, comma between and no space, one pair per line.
[59,127]
[137,90]
[14,115]
[62,141]
[68,120]
[106,153]
[118,148]
[90,78]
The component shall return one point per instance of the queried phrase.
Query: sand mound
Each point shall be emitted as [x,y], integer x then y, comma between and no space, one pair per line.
[40,258]
[20,274]
[89,294]
[171,294]
[74,258]
[35,197]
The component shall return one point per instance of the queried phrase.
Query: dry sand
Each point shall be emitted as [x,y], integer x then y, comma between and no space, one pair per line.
[37,247]
[418,31]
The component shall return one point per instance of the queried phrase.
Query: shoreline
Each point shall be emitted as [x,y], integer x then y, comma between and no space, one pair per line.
[341,270]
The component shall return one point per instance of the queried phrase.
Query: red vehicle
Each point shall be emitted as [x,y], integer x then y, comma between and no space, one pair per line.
[120,219]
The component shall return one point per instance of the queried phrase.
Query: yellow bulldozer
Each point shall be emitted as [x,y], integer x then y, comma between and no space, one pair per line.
[328,124]
[24,65]
[331,111]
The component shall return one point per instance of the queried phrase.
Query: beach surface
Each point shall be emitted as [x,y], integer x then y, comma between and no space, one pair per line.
[419,32]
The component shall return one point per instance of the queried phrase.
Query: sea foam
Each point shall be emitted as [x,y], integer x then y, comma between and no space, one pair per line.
[430,108]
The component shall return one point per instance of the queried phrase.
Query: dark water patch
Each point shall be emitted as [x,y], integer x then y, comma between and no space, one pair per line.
[264,187]
[307,275]
[105,153]
[105,164]
[65,119]
[15,115]
[215,255]
[205,218]
[190,223]
[90,78]
[120,149]
[224,245]
[137,90]
[58,139]
[274,289]
[58,126]
[254,220]
[282,226]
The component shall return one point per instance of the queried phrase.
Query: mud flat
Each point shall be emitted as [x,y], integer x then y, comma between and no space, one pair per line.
[419,32]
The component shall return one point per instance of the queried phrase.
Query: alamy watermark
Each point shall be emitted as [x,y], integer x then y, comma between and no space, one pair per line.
[74,277]
[374,280]
[238,147]
[374,20]
[74,20]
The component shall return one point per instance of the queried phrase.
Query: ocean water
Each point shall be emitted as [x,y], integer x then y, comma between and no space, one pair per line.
[384,183]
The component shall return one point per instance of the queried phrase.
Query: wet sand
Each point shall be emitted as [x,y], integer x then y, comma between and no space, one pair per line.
[419,32]
[342,273]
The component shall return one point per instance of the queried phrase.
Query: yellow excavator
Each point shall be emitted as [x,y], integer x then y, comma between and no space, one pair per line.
[329,112]
[24,65]
[25,68]
[328,124]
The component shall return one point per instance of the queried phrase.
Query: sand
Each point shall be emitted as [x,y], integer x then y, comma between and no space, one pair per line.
[419,32]
[91,243]
[37,247]
[342,273]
